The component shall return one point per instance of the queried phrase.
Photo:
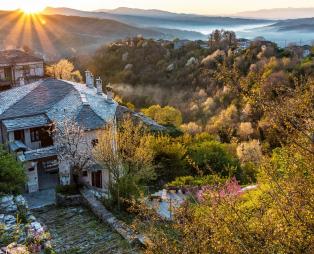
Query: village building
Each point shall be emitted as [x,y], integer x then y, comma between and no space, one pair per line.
[28,112]
[19,68]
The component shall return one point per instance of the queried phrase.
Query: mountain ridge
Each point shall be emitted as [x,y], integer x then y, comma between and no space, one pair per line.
[278,13]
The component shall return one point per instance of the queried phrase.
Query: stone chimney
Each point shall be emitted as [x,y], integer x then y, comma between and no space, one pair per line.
[89,79]
[22,81]
[109,95]
[99,86]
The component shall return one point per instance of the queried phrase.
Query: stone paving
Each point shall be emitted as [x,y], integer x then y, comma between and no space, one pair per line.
[77,230]
[40,199]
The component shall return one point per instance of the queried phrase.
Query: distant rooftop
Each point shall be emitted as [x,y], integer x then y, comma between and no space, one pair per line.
[16,56]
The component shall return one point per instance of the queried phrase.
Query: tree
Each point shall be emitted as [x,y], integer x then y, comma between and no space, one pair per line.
[74,147]
[169,158]
[124,150]
[164,115]
[12,174]
[213,157]
[64,69]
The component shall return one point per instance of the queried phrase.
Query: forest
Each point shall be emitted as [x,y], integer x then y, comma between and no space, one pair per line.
[234,117]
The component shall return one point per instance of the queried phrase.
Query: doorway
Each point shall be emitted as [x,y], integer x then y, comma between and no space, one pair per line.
[97,179]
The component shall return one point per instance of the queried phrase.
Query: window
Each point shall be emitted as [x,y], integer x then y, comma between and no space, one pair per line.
[84,173]
[35,135]
[19,135]
[26,70]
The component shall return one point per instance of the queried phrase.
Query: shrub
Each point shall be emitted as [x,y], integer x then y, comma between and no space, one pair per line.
[71,189]
[12,174]
[196,181]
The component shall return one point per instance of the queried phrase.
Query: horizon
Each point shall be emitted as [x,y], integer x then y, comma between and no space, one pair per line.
[224,7]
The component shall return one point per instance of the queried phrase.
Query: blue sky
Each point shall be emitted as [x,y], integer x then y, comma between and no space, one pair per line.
[187,6]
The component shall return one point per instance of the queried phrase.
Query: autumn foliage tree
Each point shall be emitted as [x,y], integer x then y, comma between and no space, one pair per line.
[124,150]
[64,69]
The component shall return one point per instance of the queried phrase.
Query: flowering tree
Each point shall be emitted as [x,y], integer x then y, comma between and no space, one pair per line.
[74,148]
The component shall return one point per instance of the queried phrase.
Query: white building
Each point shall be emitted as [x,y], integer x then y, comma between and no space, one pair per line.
[27,113]
[18,68]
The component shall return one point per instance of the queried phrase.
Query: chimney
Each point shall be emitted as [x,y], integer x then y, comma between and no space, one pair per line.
[22,81]
[99,86]
[109,95]
[89,79]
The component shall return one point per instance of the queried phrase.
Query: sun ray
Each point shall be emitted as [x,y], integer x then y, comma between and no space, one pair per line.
[16,32]
[41,30]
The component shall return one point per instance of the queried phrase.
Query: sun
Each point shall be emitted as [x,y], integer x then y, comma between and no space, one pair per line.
[31,6]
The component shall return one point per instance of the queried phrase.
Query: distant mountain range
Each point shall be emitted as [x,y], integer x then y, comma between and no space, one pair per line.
[305,25]
[137,12]
[155,18]
[64,31]
[63,35]
[279,13]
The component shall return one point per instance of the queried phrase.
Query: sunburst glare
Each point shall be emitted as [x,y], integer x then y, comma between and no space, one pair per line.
[31,6]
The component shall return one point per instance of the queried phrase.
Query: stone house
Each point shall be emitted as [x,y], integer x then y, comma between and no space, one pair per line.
[28,112]
[18,68]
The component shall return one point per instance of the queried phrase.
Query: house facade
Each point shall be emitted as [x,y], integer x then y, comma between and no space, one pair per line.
[18,68]
[28,114]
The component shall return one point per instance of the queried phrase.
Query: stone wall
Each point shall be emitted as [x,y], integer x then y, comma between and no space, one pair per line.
[102,213]
[68,200]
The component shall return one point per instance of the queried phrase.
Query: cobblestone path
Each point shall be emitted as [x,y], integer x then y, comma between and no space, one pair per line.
[76,230]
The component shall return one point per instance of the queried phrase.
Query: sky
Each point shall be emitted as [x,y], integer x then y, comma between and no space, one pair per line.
[210,7]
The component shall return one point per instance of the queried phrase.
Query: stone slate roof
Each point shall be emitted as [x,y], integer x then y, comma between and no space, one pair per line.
[17,146]
[55,100]
[26,122]
[38,154]
[88,119]
[123,112]
[11,57]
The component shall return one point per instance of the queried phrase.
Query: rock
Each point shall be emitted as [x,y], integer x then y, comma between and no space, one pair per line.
[125,56]
[37,227]
[191,61]
[170,67]
[9,221]
[128,67]
[20,201]
[31,218]
[7,205]
[6,199]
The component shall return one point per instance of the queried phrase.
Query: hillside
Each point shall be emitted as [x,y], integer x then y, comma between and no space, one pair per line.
[278,13]
[63,35]
[305,25]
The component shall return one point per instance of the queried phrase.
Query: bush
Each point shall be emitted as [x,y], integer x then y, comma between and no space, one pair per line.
[71,189]
[196,181]
[214,157]
[12,174]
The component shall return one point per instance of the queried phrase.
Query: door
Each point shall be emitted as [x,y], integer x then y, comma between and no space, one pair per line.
[19,135]
[97,179]
[8,73]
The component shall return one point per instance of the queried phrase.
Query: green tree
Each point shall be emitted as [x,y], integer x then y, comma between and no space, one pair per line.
[12,174]
[164,115]
[214,157]
[169,158]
